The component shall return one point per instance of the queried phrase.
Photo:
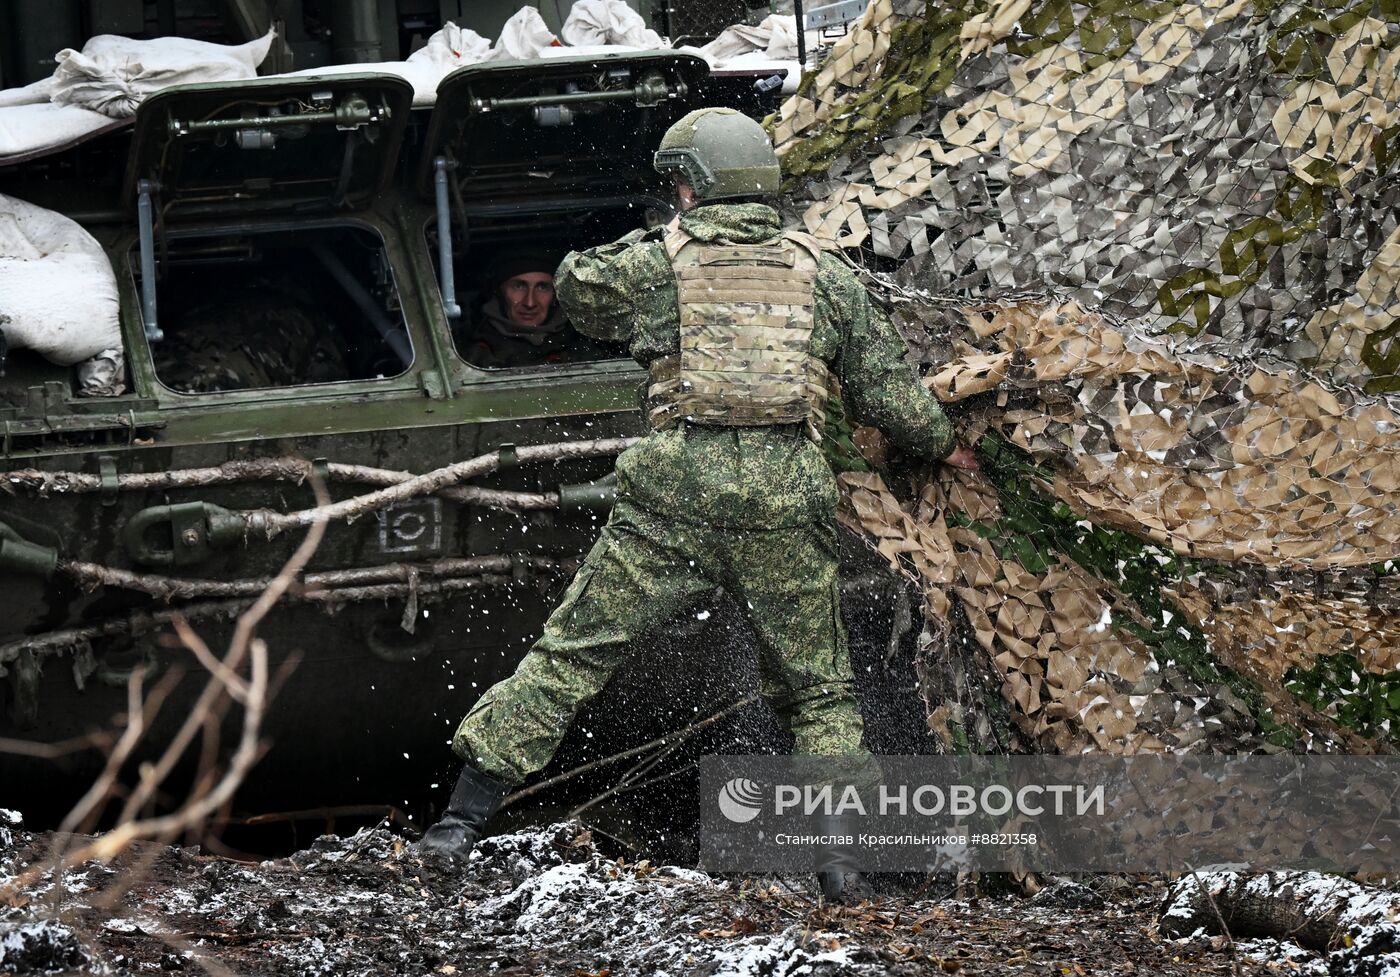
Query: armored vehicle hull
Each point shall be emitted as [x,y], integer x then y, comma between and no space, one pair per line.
[299,263]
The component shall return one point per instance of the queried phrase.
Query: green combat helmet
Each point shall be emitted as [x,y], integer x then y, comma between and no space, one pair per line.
[721,153]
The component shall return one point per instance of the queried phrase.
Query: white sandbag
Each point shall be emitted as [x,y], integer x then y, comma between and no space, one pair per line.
[610,22]
[447,50]
[775,36]
[113,74]
[58,294]
[29,128]
[524,36]
[452,47]
[33,94]
[107,80]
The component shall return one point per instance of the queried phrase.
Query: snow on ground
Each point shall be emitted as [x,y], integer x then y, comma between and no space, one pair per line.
[546,901]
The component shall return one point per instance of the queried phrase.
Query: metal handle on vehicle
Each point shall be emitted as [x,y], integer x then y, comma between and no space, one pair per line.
[350,113]
[649,92]
[145,219]
[446,273]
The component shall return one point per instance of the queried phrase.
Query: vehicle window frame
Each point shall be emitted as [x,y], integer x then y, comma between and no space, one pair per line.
[134,339]
[621,365]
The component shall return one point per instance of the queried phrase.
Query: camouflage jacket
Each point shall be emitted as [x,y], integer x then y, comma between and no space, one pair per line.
[757,477]
[490,347]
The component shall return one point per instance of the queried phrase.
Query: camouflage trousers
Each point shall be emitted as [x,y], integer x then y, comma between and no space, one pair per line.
[643,571]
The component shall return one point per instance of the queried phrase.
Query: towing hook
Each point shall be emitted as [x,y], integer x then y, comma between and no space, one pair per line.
[180,535]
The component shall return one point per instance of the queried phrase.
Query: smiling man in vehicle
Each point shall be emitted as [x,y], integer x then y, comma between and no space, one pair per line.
[521,323]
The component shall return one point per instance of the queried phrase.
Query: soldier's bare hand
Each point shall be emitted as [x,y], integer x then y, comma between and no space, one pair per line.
[963,457]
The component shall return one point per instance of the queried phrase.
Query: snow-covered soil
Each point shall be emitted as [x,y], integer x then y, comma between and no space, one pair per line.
[546,901]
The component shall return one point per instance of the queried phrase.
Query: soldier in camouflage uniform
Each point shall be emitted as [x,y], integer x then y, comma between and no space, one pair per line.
[743,329]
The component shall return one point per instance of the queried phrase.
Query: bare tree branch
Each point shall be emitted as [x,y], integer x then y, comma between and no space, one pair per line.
[211,792]
[98,739]
[283,469]
[234,685]
[270,524]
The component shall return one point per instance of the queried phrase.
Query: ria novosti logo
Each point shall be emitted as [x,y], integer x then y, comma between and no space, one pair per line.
[740,800]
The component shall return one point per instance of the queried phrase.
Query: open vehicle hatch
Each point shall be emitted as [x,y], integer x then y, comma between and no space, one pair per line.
[304,144]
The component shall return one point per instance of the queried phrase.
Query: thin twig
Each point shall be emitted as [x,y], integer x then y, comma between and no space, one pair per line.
[211,966]
[623,788]
[628,779]
[1219,918]
[520,795]
[172,588]
[234,685]
[139,714]
[382,811]
[98,739]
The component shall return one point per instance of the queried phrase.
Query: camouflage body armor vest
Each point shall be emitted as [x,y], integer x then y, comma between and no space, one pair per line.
[746,312]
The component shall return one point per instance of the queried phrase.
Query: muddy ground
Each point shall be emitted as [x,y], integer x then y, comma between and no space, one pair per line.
[550,901]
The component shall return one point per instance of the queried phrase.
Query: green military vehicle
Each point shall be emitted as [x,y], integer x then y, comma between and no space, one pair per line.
[300,263]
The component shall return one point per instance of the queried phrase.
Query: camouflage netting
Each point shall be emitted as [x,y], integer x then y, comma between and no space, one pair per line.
[1150,255]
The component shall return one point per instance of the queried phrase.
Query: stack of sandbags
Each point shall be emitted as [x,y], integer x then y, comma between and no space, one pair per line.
[102,85]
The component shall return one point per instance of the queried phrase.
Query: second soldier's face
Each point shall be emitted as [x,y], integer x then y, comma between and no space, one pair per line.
[528,298]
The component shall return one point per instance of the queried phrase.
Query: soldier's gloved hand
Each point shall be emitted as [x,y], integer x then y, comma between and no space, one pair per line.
[963,457]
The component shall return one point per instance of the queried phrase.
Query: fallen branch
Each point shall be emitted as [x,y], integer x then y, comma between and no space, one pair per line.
[1202,888]
[286,469]
[383,811]
[270,524]
[244,645]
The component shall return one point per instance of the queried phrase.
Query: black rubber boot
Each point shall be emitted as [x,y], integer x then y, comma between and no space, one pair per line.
[474,799]
[846,887]
[837,872]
